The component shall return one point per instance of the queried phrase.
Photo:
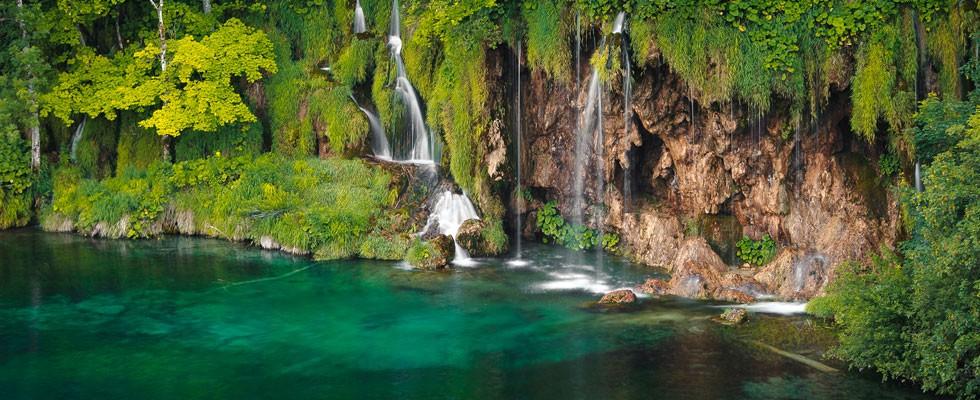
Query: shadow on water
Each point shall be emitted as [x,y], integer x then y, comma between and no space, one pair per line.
[199,318]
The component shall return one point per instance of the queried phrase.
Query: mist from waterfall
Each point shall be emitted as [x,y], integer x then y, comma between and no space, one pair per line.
[448,214]
[418,144]
[359,25]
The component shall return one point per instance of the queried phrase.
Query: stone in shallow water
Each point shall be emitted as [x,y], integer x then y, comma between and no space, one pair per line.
[735,315]
[621,296]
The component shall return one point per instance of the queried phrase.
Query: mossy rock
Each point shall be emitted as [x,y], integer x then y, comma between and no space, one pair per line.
[432,254]
[472,237]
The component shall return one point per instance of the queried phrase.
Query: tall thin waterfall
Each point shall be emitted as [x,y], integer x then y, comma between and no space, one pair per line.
[627,116]
[359,25]
[583,139]
[918,177]
[379,141]
[590,132]
[518,107]
[578,49]
[77,137]
[449,212]
[420,144]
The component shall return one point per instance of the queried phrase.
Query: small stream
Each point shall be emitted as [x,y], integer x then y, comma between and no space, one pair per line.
[187,318]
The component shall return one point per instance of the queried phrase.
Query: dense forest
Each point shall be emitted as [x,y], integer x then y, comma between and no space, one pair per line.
[252,121]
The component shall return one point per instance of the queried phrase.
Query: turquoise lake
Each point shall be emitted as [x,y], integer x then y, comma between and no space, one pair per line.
[189,318]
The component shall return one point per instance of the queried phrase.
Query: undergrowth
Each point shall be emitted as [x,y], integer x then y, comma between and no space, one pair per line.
[324,207]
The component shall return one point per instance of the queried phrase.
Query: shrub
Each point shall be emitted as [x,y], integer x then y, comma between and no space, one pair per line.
[577,237]
[756,252]
[15,183]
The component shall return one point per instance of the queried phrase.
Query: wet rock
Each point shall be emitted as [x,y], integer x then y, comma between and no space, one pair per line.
[654,287]
[796,274]
[471,238]
[621,296]
[696,271]
[685,158]
[735,315]
[437,253]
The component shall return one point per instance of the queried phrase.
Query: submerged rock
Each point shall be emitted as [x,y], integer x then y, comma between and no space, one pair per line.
[735,315]
[621,296]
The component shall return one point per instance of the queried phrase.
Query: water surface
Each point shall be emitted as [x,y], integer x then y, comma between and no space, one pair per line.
[187,318]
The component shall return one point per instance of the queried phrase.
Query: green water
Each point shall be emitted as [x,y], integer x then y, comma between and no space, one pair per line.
[185,318]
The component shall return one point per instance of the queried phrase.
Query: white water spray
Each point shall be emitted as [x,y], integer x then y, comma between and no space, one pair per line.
[449,213]
[918,177]
[359,25]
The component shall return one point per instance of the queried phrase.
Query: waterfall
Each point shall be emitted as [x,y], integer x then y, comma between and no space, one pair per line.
[449,213]
[518,144]
[359,25]
[420,150]
[918,177]
[578,49]
[627,115]
[379,141]
[77,137]
[618,23]
[586,129]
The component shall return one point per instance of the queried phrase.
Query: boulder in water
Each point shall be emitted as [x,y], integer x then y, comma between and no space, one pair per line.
[621,296]
[432,254]
[655,287]
[472,238]
[735,315]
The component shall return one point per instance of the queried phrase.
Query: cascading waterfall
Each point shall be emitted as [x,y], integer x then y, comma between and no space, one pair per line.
[449,213]
[379,141]
[359,25]
[420,149]
[77,137]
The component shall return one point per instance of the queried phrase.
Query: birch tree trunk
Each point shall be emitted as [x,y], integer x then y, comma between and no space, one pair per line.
[35,123]
[162,31]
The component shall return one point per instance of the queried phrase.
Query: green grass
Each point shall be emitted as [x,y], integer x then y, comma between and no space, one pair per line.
[325,207]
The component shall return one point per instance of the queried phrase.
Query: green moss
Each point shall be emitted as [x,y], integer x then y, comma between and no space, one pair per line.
[547,39]
[228,140]
[382,248]
[345,126]
[324,207]
[877,92]
[137,147]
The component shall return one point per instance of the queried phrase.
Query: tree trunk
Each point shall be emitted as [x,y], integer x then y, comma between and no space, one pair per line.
[207,6]
[162,32]
[35,123]
[165,141]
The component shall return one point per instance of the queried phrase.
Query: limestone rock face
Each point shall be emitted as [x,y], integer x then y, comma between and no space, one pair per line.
[621,296]
[811,188]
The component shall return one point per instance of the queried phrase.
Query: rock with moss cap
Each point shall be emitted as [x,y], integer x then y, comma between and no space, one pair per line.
[435,253]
